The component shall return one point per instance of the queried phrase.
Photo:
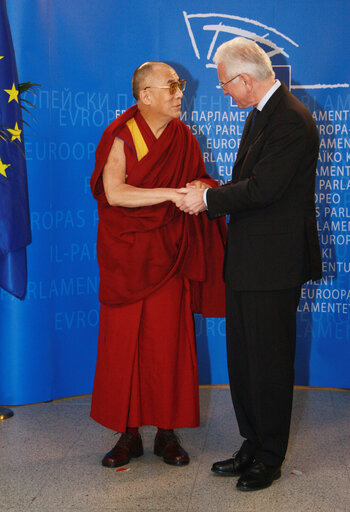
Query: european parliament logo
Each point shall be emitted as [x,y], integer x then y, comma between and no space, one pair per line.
[207,31]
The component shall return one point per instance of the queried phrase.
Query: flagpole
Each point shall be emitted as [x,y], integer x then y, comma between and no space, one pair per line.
[5,413]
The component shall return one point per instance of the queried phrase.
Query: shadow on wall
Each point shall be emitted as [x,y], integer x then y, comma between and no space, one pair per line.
[210,332]
[309,295]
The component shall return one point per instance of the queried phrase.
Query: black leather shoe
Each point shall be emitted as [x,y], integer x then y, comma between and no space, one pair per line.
[258,476]
[234,466]
[167,445]
[127,446]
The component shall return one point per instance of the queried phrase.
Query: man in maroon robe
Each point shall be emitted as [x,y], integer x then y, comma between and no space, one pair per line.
[157,266]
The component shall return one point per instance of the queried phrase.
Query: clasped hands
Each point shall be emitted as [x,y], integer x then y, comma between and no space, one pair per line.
[189,199]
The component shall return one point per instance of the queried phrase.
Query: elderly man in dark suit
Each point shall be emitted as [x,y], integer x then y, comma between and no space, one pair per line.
[272,249]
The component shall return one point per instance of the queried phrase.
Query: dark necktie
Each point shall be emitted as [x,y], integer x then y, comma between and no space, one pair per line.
[254,117]
[255,113]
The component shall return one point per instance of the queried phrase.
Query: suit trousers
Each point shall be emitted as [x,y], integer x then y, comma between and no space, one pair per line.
[261,340]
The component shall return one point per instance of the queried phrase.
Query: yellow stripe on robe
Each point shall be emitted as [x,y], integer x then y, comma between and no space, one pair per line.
[140,144]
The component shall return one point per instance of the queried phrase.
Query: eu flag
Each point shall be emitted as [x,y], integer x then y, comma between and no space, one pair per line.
[15,233]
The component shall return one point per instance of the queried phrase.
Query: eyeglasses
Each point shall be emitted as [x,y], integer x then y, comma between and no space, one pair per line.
[173,86]
[222,85]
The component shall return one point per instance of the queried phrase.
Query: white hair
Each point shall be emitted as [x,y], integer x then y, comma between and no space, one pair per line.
[241,55]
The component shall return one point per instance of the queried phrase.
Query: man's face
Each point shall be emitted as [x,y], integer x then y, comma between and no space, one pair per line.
[235,88]
[166,105]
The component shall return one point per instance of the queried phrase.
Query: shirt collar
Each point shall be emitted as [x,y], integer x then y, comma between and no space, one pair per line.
[268,95]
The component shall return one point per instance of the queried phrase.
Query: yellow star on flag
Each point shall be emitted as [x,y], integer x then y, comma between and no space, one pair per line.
[13,93]
[3,167]
[1,57]
[15,132]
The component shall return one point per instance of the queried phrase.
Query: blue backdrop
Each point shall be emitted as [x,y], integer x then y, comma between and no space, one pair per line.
[84,54]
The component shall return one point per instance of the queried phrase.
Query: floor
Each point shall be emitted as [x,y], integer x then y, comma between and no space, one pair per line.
[50,461]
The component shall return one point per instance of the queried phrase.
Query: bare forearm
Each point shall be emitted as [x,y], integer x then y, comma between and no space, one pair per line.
[134,197]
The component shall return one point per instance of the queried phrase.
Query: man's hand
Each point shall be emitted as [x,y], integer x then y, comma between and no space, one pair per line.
[177,196]
[192,201]
[197,184]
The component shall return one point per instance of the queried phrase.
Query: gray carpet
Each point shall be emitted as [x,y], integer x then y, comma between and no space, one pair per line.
[50,461]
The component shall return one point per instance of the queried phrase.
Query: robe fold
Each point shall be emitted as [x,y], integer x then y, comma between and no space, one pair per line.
[175,243]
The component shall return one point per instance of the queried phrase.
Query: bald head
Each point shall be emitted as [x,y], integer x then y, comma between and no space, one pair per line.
[141,77]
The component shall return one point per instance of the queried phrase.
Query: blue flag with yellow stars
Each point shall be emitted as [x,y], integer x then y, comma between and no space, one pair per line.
[15,233]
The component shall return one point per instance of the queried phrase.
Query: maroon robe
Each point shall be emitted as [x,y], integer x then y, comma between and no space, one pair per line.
[157,265]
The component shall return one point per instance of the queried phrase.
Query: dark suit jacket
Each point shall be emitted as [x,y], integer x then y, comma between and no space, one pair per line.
[272,237]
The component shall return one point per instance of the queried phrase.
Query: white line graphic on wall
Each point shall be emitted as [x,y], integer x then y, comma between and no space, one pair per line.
[221,27]
[320,86]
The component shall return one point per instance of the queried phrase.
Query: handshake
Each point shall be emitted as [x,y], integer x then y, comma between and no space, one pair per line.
[189,199]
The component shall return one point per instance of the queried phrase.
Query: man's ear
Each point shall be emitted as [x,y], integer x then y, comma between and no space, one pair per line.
[145,96]
[247,81]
